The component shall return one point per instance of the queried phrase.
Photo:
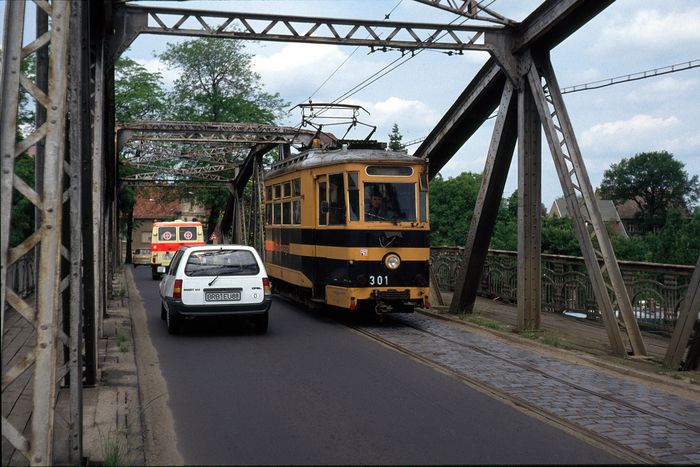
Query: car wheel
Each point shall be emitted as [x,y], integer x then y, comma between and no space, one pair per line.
[261,322]
[163,311]
[172,321]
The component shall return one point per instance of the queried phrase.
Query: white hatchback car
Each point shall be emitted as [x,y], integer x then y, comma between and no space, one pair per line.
[215,280]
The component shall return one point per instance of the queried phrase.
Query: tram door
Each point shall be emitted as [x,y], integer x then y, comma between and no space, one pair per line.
[319,235]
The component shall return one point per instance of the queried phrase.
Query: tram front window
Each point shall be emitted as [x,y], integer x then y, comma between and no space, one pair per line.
[390,202]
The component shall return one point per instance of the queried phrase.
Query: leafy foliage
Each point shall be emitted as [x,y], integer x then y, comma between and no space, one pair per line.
[22,209]
[677,242]
[139,94]
[217,84]
[655,181]
[452,204]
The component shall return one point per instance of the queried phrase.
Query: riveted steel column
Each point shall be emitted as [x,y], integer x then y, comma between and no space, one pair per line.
[529,212]
[79,138]
[687,316]
[11,65]
[93,223]
[493,180]
[259,211]
[574,208]
[599,230]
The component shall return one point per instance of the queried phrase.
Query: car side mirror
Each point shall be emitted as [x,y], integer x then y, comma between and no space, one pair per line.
[324,207]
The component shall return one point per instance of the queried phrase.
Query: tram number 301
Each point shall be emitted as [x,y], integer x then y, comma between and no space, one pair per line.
[378,280]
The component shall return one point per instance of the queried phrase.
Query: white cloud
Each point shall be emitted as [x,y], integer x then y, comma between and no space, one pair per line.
[653,28]
[623,134]
[663,88]
[299,66]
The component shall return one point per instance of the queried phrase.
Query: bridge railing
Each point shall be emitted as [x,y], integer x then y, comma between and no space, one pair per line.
[655,290]
[20,275]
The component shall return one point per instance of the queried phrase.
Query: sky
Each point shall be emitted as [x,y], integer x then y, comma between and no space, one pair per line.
[611,123]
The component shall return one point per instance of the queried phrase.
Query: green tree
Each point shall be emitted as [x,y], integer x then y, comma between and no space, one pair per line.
[138,93]
[395,138]
[217,84]
[655,181]
[505,231]
[558,237]
[452,204]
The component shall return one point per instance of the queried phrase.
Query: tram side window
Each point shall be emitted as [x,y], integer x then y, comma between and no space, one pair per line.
[322,204]
[277,213]
[336,195]
[354,196]
[268,213]
[424,197]
[296,184]
[296,212]
[287,212]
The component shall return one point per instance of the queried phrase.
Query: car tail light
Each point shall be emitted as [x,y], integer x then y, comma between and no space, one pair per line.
[353,303]
[266,285]
[426,303]
[177,289]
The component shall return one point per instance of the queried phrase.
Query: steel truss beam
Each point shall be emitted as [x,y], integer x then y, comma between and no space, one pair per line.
[48,198]
[543,29]
[136,20]
[469,9]
[687,316]
[588,223]
[198,132]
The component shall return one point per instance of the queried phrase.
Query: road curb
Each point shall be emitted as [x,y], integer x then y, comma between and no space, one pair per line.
[160,440]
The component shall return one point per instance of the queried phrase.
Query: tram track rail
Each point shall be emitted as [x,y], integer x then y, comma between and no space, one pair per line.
[538,411]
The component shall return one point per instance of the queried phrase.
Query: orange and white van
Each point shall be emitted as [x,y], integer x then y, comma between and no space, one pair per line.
[167,237]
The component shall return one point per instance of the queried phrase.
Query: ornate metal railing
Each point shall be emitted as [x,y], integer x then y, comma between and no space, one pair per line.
[655,290]
[20,275]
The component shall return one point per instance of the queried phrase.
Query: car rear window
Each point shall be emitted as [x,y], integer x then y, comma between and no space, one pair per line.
[221,263]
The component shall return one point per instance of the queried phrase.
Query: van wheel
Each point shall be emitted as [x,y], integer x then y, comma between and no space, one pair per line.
[173,322]
[261,322]
[163,311]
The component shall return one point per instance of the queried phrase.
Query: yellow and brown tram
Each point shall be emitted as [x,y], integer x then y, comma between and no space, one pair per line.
[330,239]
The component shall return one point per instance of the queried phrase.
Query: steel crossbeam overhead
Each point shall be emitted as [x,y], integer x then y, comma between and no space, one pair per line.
[469,9]
[192,173]
[77,259]
[135,20]
[198,132]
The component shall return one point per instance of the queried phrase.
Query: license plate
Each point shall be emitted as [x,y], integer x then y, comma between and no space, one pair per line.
[222,296]
[161,268]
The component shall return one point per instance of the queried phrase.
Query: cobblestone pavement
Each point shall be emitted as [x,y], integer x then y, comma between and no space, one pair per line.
[657,424]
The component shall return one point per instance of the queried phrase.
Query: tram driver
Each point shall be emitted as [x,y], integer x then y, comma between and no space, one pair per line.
[377,207]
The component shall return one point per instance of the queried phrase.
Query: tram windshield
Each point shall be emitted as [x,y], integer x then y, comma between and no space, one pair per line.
[390,202]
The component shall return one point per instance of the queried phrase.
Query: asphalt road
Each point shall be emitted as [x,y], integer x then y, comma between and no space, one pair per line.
[313,391]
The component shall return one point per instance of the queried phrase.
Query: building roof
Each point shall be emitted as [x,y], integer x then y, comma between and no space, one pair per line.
[628,210]
[156,203]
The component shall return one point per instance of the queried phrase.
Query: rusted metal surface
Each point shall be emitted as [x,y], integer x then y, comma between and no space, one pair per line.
[310,30]
[488,200]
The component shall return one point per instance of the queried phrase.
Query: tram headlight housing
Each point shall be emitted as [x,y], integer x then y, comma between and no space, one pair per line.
[392,261]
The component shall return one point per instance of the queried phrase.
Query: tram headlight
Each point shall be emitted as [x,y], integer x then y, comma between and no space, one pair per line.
[392,261]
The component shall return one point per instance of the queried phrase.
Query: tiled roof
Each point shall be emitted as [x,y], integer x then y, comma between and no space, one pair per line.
[152,203]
